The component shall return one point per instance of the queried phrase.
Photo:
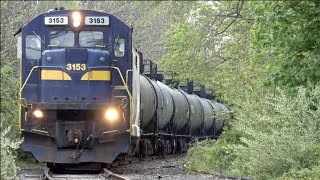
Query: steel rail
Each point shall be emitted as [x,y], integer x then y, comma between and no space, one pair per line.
[108,174]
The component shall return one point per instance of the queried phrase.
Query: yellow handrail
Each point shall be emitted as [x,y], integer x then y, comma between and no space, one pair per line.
[123,81]
[127,76]
[25,82]
[20,93]
[131,99]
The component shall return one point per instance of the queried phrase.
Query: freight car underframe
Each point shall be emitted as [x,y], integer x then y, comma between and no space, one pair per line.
[169,140]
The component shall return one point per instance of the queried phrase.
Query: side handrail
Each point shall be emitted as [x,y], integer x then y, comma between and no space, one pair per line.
[125,83]
[118,70]
[29,75]
[127,76]
[135,69]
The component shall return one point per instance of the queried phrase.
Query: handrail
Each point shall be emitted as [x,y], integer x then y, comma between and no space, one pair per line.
[36,67]
[118,70]
[127,75]
[135,55]
[25,82]
[125,83]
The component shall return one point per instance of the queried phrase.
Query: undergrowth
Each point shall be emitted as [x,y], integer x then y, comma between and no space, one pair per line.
[274,136]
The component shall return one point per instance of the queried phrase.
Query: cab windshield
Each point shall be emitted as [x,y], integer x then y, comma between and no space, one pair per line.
[67,39]
[91,39]
[62,39]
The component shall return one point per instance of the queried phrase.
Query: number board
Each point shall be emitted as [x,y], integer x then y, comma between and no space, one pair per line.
[95,20]
[76,67]
[56,20]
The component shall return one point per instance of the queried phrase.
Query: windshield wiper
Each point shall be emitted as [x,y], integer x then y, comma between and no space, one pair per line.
[38,37]
[116,42]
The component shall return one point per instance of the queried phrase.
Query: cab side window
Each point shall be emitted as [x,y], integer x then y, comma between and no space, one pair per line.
[119,46]
[33,47]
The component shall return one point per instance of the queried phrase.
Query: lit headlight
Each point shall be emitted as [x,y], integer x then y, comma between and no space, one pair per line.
[38,113]
[112,114]
[76,16]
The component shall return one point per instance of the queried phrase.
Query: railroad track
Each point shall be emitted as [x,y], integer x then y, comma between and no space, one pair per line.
[47,175]
[106,174]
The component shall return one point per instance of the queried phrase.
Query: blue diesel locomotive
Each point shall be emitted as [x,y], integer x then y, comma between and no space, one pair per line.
[84,99]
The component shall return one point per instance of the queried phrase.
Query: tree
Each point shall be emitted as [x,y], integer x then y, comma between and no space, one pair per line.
[211,47]
[286,35]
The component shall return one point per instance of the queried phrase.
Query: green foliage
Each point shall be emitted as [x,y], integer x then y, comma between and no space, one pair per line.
[310,173]
[243,51]
[211,47]
[9,104]
[279,138]
[213,156]
[286,35]
[283,133]
[8,167]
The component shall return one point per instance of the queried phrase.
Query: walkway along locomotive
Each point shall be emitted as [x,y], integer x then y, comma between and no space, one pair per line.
[84,99]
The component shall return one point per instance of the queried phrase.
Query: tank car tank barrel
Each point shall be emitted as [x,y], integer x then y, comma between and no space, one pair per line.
[181,109]
[196,112]
[156,100]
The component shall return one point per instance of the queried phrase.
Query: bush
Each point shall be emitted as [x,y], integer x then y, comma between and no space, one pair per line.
[8,166]
[213,156]
[305,173]
[282,134]
[280,138]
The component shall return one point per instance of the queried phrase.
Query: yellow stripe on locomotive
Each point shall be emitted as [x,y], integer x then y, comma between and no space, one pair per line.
[97,75]
[54,75]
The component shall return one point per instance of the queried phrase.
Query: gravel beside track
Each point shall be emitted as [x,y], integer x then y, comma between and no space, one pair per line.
[169,168]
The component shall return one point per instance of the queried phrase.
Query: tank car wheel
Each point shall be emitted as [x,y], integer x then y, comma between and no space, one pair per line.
[155,146]
[161,148]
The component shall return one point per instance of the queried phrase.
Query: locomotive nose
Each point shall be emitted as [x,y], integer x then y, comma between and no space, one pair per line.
[74,75]
[76,55]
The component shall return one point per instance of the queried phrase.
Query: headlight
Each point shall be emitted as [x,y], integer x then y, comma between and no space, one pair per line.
[112,114]
[38,113]
[76,16]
